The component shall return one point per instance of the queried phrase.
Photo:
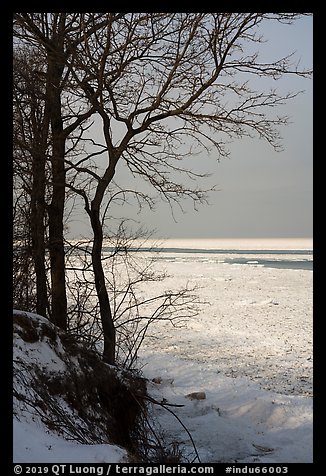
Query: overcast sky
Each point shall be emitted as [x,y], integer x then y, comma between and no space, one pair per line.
[262,193]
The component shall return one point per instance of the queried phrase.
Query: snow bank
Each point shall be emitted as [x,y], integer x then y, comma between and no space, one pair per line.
[69,407]
[34,444]
[237,422]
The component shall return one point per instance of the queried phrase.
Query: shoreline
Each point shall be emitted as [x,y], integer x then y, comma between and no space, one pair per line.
[235,243]
[215,243]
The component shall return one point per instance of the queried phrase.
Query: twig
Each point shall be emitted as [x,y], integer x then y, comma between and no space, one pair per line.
[166,407]
[156,402]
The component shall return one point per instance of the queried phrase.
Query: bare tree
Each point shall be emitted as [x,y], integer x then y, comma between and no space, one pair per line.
[31,135]
[156,81]
[47,33]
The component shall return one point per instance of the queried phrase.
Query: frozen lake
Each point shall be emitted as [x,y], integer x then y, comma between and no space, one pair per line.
[249,349]
[256,321]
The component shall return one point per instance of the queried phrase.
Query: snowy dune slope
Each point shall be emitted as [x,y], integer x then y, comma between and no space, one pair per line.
[46,428]
[33,443]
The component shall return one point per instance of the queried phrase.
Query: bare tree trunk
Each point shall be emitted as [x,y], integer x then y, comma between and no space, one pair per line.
[56,246]
[38,209]
[38,231]
[103,297]
[108,327]
[56,209]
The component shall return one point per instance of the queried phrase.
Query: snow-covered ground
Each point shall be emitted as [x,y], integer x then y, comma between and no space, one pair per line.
[249,349]
[33,441]
[237,422]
